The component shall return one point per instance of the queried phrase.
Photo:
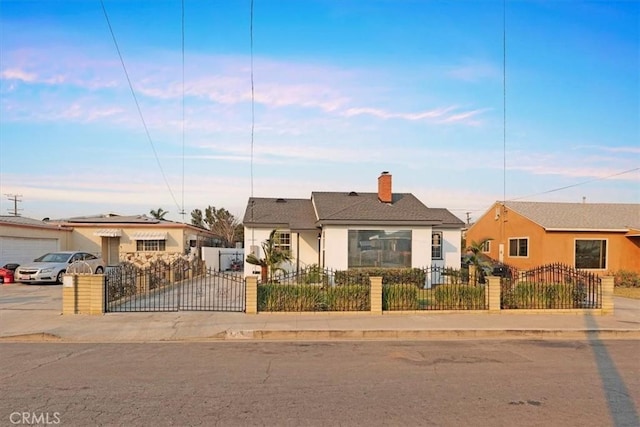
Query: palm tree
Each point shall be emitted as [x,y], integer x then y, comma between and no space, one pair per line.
[476,260]
[159,213]
[274,255]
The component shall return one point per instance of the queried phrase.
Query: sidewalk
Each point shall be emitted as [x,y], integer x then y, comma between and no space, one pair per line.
[32,313]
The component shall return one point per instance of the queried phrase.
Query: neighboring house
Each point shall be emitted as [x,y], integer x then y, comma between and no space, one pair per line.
[595,236]
[24,239]
[118,238]
[341,230]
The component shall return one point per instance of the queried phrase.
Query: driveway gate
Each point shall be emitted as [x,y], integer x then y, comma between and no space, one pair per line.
[175,288]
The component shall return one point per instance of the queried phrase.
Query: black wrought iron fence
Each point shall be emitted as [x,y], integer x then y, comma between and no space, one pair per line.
[432,288]
[172,287]
[313,289]
[551,286]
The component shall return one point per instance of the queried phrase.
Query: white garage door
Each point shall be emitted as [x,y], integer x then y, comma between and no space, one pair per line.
[22,249]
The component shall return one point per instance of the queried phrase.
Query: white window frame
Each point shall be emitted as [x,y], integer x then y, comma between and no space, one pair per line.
[518,247]
[151,245]
[486,247]
[439,247]
[606,252]
[286,246]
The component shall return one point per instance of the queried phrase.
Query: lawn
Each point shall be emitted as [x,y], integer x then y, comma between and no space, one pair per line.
[627,292]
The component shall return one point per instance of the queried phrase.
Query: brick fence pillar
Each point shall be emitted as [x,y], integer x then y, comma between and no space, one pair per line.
[607,294]
[376,295]
[493,290]
[251,295]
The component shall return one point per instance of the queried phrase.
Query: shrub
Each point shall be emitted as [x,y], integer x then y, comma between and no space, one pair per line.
[459,297]
[626,279]
[529,295]
[277,297]
[415,276]
[399,297]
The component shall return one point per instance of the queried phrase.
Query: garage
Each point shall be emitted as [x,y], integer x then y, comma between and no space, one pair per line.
[24,249]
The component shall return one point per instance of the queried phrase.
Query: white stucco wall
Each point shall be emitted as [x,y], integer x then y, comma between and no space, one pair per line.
[334,246]
[336,250]
[307,248]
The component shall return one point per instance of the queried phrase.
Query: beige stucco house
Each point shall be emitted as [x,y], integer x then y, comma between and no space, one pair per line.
[118,238]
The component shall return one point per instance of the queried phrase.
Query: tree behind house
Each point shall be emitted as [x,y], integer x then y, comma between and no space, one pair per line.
[219,221]
[158,213]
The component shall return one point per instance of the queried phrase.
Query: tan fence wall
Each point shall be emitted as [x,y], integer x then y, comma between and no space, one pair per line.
[83,294]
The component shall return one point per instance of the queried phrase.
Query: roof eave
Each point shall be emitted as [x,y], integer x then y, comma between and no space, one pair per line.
[592,230]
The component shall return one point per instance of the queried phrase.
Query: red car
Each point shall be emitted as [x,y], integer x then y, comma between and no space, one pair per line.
[6,275]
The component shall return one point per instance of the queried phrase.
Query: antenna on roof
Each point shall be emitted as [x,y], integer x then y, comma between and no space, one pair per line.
[15,198]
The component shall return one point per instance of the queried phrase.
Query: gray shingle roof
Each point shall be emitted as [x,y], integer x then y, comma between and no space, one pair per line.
[354,208]
[344,208]
[580,216]
[294,214]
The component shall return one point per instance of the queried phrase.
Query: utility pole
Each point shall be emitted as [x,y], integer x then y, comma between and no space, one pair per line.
[468,218]
[15,198]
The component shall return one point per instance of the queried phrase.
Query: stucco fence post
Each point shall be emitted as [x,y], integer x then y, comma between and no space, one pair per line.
[83,294]
[251,295]
[493,293]
[376,295]
[607,295]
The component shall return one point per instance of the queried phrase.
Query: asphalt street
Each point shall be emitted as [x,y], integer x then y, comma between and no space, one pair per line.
[373,383]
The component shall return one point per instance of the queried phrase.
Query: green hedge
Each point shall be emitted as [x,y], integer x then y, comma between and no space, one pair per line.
[459,297]
[528,295]
[276,297]
[414,276]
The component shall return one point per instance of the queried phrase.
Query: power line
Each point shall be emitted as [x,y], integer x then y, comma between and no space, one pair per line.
[576,185]
[135,99]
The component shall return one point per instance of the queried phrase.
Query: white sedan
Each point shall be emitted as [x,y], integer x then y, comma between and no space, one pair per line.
[52,266]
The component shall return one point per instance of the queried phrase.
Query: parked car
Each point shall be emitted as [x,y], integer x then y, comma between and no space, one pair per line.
[6,275]
[52,266]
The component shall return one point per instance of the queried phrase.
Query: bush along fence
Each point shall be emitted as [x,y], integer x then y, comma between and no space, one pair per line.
[553,288]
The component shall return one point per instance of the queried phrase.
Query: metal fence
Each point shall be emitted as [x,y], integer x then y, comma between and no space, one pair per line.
[177,287]
[313,289]
[433,288]
[552,286]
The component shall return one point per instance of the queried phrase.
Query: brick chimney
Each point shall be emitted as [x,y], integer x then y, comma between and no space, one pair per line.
[384,188]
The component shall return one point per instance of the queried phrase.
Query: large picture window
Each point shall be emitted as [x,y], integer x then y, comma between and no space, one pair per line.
[519,247]
[436,245]
[379,248]
[591,254]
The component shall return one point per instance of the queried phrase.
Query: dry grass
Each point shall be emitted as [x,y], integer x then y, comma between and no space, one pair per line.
[627,292]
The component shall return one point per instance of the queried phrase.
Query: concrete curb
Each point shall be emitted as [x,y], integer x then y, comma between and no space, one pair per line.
[336,335]
[355,335]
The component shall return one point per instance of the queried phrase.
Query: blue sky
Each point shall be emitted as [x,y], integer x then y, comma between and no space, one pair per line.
[343,90]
